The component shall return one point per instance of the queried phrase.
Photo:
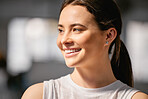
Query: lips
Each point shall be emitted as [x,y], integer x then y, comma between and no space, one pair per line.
[71,52]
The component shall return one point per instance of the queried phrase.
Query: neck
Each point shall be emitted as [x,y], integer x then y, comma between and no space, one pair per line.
[98,76]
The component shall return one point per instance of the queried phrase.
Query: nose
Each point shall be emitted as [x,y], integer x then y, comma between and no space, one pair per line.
[66,39]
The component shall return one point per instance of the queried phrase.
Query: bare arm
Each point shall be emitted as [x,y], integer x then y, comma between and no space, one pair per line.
[140,95]
[34,92]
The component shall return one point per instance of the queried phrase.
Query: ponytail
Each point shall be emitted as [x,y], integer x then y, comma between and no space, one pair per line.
[121,63]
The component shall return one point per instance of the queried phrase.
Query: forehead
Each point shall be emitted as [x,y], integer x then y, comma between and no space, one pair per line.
[75,13]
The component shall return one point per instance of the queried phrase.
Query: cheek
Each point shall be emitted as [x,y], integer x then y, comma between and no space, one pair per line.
[91,42]
[86,40]
[83,38]
[59,42]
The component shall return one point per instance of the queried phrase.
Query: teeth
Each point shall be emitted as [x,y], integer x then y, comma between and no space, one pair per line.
[71,51]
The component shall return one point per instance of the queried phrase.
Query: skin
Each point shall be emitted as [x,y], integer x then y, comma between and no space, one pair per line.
[34,92]
[85,34]
[78,29]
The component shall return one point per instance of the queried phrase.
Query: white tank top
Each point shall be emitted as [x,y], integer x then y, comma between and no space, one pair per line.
[65,88]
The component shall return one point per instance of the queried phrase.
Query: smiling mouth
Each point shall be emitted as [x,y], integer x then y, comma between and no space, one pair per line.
[71,52]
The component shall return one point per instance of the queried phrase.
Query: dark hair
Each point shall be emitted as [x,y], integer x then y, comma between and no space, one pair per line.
[107,15]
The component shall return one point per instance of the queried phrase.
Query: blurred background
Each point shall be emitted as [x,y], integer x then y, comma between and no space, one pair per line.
[28,51]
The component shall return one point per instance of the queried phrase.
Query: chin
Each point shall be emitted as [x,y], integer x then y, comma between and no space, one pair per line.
[70,66]
[71,63]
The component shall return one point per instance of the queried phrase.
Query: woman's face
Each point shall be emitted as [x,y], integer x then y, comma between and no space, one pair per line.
[80,39]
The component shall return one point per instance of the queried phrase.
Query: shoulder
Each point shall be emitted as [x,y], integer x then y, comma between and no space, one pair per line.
[140,95]
[34,92]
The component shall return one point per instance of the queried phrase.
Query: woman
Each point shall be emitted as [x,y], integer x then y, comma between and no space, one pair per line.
[88,29]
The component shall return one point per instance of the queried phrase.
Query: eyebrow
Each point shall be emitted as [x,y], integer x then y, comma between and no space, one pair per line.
[72,25]
[60,25]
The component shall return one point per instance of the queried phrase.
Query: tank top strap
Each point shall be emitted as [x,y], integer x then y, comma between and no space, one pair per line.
[48,90]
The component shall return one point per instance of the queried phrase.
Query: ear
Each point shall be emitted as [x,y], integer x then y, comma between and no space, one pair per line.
[110,35]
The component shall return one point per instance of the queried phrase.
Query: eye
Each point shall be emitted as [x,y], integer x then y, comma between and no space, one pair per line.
[77,30]
[60,30]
